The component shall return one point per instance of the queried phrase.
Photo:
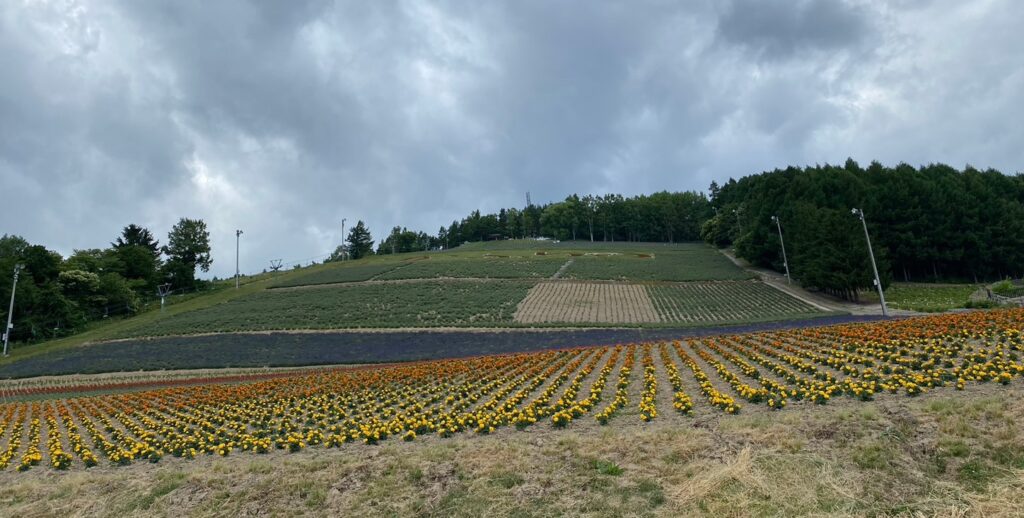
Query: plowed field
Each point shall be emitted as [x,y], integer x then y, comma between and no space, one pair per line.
[582,302]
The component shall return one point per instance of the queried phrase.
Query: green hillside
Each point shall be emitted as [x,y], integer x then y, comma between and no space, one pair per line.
[476,285]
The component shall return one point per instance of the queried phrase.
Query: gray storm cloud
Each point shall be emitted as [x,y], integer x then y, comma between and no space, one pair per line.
[281,118]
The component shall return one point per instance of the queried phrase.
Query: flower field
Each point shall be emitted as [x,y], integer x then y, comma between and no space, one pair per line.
[595,386]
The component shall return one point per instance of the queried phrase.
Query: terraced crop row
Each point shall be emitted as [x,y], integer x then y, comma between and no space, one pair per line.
[341,272]
[678,303]
[698,264]
[732,301]
[421,304]
[490,266]
[591,261]
[724,374]
[582,302]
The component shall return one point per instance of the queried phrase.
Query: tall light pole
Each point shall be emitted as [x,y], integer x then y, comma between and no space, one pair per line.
[238,237]
[10,309]
[785,262]
[343,251]
[878,282]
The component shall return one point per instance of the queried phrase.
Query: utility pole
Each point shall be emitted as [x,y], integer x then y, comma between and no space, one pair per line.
[344,251]
[10,309]
[789,280]
[238,236]
[878,282]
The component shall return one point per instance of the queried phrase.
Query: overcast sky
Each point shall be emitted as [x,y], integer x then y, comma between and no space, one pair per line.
[283,120]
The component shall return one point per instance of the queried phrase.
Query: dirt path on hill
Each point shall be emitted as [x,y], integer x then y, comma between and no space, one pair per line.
[562,270]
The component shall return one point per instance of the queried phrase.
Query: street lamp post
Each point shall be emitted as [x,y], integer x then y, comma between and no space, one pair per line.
[785,262]
[343,251]
[10,309]
[878,281]
[238,234]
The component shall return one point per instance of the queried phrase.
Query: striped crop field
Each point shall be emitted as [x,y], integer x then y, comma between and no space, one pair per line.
[734,301]
[582,302]
[690,303]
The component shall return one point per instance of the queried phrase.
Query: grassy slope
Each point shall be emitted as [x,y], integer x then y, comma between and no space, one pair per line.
[421,304]
[678,266]
[944,453]
[453,303]
[119,327]
[339,273]
[929,298]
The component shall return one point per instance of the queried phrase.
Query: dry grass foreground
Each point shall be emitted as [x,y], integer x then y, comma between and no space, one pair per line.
[580,302]
[944,453]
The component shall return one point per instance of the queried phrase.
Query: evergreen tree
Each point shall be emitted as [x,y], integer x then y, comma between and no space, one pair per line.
[134,235]
[360,242]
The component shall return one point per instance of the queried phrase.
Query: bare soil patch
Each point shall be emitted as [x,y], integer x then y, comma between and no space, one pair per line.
[586,302]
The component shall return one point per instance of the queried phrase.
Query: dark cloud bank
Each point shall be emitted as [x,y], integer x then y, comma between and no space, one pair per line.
[281,118]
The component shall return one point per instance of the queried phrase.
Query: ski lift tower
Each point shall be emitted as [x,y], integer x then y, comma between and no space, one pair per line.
[163,290]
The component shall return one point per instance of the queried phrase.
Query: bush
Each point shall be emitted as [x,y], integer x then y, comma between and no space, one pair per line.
[1004,288]
[981,304]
